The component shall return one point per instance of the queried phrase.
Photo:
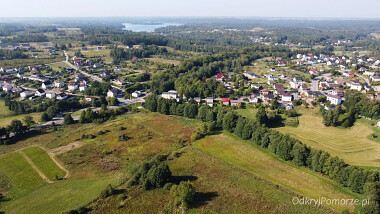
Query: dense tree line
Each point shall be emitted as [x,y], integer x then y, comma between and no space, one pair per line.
[119,54]
[362,104]
[15,54]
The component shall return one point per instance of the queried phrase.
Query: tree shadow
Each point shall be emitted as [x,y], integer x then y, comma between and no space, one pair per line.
[202,198]
[178,179]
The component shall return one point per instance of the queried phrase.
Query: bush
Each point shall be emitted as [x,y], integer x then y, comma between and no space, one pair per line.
[107,192]
[168,186]
[123,137]
[184,194]
[122,128]
[88,136]
[100,133]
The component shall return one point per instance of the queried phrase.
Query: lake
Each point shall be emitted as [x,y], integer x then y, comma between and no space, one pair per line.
[146,27]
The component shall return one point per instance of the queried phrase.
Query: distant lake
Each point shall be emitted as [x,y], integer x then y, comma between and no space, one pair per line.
[146,27]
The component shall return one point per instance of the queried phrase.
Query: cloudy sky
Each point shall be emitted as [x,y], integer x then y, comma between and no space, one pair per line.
[239,8]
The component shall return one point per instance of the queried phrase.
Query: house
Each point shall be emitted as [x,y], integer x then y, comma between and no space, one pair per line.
[337,93]
[235,102]
[172,94]
[272,69]
[336,100]
[253,99]
[7,88]
[88,99]
[46,85]
[72,87]
[50,95]
[220,77]
[225,101]
[313,71]
[136,94]
[356,86]
[105,73]
[378,123]
[26,94]
[210,101]
[287,97]
[82,87]
[197,99]
[297,79]
[59,84]
[375,78]
[97,65]
[293,84]
[251,75]
[17,89]
[61,96]
[112,93]
[40,93]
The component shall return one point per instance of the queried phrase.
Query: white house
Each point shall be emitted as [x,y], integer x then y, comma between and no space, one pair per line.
[72,87]
[50,95]
[7,88]
[46,85]
[40,93]
[356,86]
[59,84]
[136,94]
[251,75]
[210,101]
[82,87]
[253,99]
[61,96]
[334,99]
[112,93]
[375,78]
[287,98]
[172,94]
[26,94]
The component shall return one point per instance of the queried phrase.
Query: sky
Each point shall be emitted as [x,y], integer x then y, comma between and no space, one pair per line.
[197,8]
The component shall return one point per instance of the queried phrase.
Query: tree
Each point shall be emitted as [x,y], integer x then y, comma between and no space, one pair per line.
[67,120]
[261,116]
[29,121]
[202,113]
[220,90]
[299,154]
[16,127]
[45,117]
[82,118]
[157,177]
[151,102]
[229,121]
[184,194]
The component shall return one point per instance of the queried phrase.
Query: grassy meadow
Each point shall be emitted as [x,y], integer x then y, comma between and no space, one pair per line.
[262,164]
[44,163]
[351,144]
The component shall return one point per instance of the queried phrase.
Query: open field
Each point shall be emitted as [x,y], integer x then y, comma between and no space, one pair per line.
[5,121]
[262,164]
[44,163]
[165,61]
[220,188]
[59,197]
[22,176]
[92,163]
[27,62]
[350,144]
[248,112]
[4,110]
[59,66]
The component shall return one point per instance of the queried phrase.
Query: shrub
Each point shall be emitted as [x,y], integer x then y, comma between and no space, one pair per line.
[122,128]
[107,192]
[100,133]
[123,137]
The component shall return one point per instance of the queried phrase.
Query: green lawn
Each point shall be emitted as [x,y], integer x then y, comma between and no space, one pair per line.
[4,110]
[31,61]
[249,113]
[5,121]
[44,163]
[59,197]
[59,66]
[351,144]
[22,176]
[262,164]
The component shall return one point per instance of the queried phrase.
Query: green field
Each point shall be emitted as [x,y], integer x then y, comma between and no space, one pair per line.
[22,176]
[59,197]
[4,110]
[164,61]
[44,163]
[262,164]
[5,121]
[59,66]
[248,112]
[27,62]
[352,144]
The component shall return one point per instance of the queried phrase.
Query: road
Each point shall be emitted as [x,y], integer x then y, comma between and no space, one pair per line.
[94,77]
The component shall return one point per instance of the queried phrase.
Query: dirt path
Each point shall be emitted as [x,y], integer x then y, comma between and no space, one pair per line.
[35,167]
[52,156]
[67,148]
